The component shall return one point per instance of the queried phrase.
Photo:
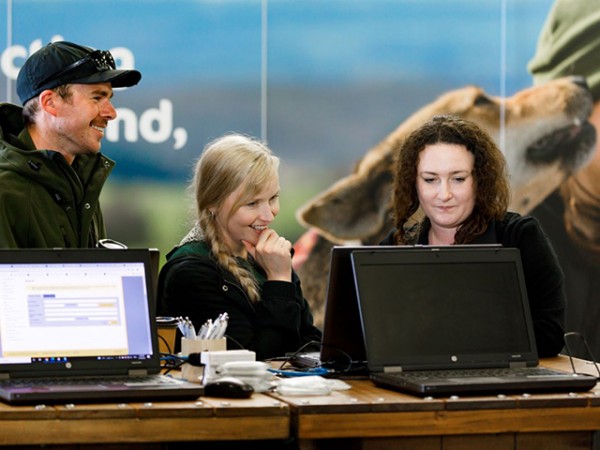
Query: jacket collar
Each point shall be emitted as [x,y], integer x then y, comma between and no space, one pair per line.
[489,237]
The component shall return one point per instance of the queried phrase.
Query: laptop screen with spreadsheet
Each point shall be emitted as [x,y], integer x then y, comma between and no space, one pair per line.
[76,311]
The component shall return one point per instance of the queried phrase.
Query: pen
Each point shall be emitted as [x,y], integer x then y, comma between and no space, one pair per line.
[222,326]
[202,331]
[182,325]
[191,331]
[215,328]
[209,329]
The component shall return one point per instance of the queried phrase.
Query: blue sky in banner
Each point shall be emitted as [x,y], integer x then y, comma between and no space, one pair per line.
[341,74]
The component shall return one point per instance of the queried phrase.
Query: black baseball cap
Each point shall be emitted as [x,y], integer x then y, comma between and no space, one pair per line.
[63,62]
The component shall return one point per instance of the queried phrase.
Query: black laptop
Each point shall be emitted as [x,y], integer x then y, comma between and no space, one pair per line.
[78,325]
[449,321]
[342,343]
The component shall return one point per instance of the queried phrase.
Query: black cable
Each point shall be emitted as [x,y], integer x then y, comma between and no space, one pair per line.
[289,358]
[585,344]
[333,368]
[169,349]
[171,361]
[241,347]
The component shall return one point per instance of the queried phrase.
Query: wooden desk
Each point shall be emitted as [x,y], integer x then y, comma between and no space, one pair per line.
[365,417]
[260,417]
[368,417]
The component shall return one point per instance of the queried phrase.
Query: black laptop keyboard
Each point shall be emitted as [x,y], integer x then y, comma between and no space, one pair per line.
[477,373]
[149,380]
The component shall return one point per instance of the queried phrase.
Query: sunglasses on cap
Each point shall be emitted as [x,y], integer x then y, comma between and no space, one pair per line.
[100,60]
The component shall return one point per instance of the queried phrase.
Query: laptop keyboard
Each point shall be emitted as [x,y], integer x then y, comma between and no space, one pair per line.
[479,373]
[149,380]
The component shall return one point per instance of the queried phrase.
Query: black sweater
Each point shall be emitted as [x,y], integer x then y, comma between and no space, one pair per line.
[543,275]
[192,284]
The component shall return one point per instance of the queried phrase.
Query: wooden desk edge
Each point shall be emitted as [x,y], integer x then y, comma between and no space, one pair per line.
[33,432]
[436,423]
[522,418]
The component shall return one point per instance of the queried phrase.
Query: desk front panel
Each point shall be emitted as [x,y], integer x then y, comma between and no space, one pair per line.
[260,417]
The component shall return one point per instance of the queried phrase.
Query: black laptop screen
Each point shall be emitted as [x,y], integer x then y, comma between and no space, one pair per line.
[443,307]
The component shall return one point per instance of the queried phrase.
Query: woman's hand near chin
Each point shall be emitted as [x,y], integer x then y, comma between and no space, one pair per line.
[273,253]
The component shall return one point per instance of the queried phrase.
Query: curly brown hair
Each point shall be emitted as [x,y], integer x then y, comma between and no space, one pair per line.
[492,189]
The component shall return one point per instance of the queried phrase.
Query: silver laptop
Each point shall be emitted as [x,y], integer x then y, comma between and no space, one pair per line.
[78,325]
[446,320]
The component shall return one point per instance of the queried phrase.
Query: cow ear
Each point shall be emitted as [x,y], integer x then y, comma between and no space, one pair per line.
[354,208]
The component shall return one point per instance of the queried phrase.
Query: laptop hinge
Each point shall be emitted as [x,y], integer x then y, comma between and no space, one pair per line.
[137,372]
[392,369]
[517,365]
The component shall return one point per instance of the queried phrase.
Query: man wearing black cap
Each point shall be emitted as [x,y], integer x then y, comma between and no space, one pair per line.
[51,168]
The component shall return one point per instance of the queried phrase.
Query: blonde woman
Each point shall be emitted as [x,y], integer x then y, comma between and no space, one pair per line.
[232,261]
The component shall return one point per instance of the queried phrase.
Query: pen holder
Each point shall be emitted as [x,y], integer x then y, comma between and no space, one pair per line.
[194,373]
[202,345]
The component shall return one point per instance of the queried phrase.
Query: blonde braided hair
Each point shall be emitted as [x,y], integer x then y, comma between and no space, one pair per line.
[228,164]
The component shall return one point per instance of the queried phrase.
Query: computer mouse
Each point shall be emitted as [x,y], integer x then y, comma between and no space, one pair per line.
[228,387]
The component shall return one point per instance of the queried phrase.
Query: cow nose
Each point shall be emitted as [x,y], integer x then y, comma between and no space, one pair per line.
[580,81]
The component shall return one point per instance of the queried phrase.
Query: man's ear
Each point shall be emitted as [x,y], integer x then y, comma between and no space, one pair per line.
[48,101]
